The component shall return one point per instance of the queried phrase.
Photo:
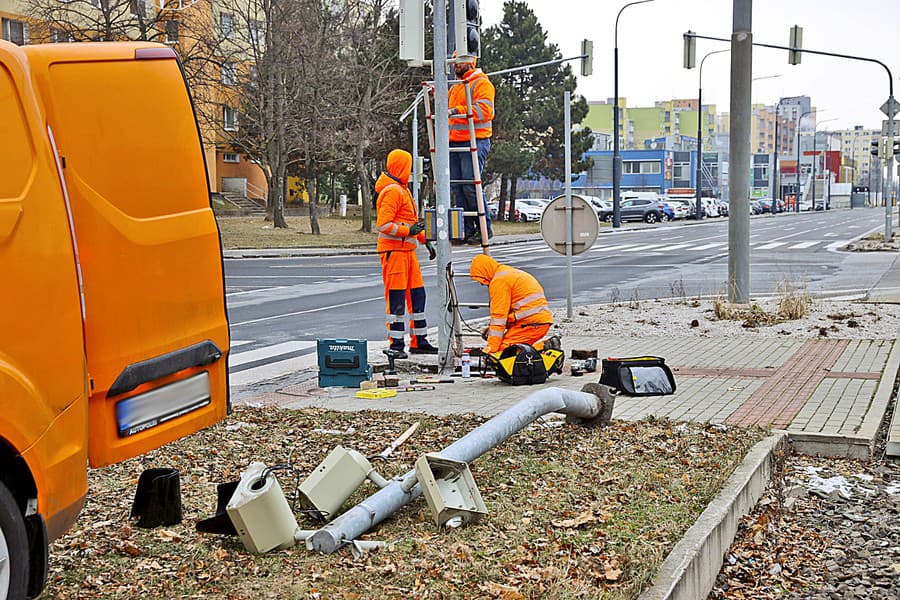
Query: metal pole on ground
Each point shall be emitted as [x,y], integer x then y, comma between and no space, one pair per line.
[739,153]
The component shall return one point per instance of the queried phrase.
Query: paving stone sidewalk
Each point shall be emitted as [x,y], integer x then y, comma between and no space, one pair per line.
[829,394]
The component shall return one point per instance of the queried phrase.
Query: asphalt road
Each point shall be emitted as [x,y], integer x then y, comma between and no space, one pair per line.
[279,307]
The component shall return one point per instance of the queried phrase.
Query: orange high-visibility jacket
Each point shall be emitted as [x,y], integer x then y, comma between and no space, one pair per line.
[395,206]
[482,106]
[516,298]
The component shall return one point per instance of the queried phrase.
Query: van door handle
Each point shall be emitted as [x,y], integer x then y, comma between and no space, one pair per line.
[10,213]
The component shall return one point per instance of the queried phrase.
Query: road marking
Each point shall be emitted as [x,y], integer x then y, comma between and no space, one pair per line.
[242,358]
[274,369]
[256,290]
[770,246]
[670,248]
[832,234]
[708,246]
[304,312]
[236,343]
[608,248]
[803,245]
[642,248]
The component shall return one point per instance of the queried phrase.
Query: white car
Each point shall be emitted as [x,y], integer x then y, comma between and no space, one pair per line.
[679,208]
[529,210]
[710,207]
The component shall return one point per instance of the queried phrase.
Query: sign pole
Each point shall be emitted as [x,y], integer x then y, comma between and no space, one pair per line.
[569,212]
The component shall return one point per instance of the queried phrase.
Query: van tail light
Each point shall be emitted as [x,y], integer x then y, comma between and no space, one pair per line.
[154,54]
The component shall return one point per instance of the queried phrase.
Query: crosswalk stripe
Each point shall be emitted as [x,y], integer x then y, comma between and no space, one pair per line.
[236,343]
[770,246]
[274,369]
[802,245]
[708,246]
[642,248]
[609,248]
[673,247]
[241,358]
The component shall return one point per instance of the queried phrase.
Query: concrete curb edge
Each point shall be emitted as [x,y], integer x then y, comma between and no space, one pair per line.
[690,569]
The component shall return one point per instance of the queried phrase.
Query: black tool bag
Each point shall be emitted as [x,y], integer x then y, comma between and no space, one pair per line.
[638,376]
[522,364]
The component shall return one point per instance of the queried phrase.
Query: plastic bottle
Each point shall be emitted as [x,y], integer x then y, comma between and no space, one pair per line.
[465,364]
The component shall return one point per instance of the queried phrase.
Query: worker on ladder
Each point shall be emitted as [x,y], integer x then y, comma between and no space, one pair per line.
[399,234]
[461,163]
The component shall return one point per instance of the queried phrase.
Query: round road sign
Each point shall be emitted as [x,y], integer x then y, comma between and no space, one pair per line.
[585,226]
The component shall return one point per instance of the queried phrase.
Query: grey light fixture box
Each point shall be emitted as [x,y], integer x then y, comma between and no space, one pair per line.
[449,489]
[333,481]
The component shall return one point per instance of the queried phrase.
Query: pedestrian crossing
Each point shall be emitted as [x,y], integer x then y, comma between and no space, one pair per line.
[268,362]
[617,248]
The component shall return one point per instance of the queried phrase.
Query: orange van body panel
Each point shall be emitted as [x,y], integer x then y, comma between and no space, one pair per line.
[43,387]
[136,224]
[147,237]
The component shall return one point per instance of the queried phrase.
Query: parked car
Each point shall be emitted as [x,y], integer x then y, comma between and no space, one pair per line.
[679,208]
[529,210]
[710,207]
[689,204]
[722,205]
[639,209]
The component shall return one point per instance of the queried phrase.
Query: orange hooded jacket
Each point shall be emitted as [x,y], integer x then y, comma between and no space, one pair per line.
[482,106]
[516,298]
[395,206]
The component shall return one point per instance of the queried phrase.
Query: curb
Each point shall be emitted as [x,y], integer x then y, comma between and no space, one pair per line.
[691,568]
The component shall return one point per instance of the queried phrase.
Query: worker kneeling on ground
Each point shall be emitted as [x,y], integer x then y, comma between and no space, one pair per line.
[399,234]
[519,310]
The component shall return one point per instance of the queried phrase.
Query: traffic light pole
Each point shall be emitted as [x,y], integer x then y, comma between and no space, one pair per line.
[888,234]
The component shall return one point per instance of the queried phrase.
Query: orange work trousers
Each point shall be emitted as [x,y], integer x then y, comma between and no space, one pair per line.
[404,291]
[524,334]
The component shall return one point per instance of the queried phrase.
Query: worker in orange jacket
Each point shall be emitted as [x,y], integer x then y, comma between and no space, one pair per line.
[399,234]
[461,162]
[519,310]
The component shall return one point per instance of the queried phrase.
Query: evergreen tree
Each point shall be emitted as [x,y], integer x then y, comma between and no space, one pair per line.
[529,126]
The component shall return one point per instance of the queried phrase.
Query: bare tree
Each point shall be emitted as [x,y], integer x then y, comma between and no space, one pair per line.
[98,20]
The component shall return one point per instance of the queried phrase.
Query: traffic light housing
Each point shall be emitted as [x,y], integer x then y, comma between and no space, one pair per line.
[412,31]
[796,42]
[466,19]
[690,50]
[587,57]
[875,147]
[887,148]
[896,147]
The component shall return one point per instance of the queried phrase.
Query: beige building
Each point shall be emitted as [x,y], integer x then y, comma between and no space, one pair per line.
[640,123]
[856,159]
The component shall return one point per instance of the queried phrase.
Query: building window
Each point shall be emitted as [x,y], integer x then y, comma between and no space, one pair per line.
[172,31]
[641,167]
[15,31]
[60,36]
[226,24]
[229,74]
[229,118]
[681,171]
[256,32]
[231,157]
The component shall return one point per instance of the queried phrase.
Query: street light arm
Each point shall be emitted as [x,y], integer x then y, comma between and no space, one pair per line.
[616,32]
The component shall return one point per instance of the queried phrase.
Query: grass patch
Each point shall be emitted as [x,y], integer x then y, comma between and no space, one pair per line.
[572,512]
[336,232]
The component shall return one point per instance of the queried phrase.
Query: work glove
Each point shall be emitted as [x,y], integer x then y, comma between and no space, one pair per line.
[432,253]
[417,228]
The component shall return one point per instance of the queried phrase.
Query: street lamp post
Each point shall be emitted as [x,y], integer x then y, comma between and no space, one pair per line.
[617,160]
[797,197]
[812,204]
[699,212]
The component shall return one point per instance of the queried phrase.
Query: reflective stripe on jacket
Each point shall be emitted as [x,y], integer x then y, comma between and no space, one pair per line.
[482,106]
[516,298]
[395,206]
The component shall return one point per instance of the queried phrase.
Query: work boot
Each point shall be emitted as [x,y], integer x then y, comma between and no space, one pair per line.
[398,352]
[423,348]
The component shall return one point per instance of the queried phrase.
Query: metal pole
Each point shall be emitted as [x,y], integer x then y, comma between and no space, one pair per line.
[442,175]
[417,174]
[569,216]
[739,153]
[812,202]
[402,490]
[888,204]
[699,211]
[617,160]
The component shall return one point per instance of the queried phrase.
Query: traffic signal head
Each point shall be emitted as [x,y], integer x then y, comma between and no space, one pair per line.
[796,42]
[875,147]
[466,18]
[587,57]
[690,50]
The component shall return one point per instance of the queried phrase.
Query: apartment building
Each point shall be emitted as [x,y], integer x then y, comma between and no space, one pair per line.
[185,25]
[858,165]
[638,124]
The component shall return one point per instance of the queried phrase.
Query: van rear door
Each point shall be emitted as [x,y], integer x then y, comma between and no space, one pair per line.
[155,324]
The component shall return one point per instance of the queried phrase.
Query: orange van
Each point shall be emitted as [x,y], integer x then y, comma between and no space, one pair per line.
[113,330]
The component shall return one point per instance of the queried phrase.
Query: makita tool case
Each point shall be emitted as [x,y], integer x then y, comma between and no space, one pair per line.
[343,363]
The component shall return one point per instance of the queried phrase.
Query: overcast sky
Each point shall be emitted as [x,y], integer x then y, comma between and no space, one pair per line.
[650,50]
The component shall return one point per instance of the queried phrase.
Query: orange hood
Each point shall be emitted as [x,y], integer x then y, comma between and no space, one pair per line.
[483,269]
[399,165]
